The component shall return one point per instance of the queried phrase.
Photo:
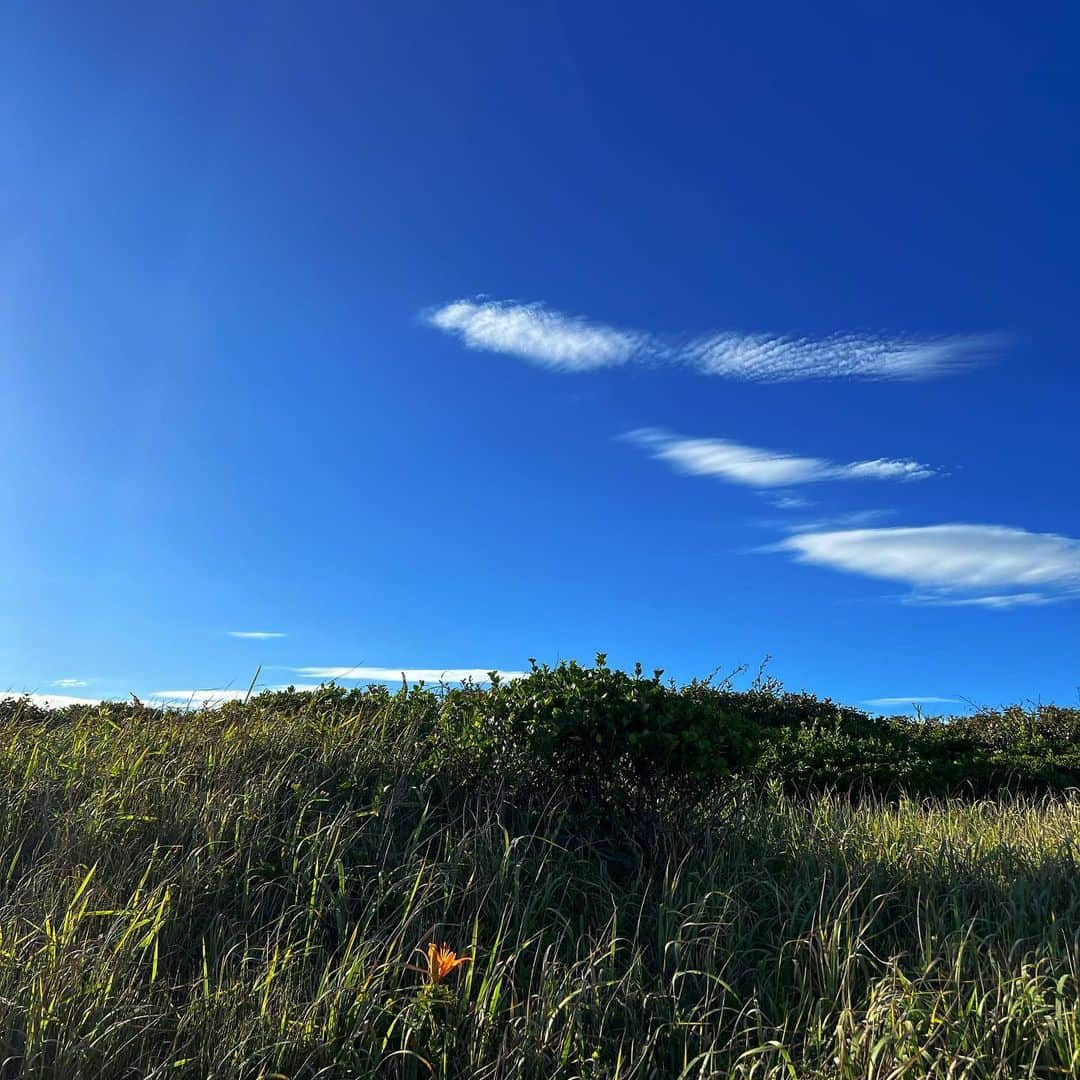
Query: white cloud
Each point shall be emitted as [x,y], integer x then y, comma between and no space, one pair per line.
[998,601]
[779,358]
[549,338]
[572,343]
[69,683]
[199,697]
[991,566]
[912,699]
[255,635]
[839,521]
[389,674]
[52,701]
[160,698]
[765,468]
[208,698]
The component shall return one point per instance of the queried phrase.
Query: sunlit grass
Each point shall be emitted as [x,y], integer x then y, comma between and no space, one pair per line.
[242,893]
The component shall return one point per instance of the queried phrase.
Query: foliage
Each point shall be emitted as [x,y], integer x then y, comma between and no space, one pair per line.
[240,892]
[625,743]
[613,740]
[1035,750]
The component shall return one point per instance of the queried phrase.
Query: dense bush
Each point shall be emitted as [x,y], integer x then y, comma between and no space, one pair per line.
[1032,750]
[623,741]
[612,740]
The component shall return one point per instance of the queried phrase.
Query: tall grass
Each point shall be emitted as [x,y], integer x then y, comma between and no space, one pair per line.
[239,893]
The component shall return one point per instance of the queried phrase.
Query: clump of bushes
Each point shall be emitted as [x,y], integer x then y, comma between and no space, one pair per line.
[1032,750]
[623,741]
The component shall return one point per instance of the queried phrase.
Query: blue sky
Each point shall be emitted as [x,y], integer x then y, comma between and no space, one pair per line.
[434,339]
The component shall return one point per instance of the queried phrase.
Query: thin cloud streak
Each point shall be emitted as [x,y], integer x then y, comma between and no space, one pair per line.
[778,358]
[991,566]
[389,674]
[912,699]
[838,521]
[69,683]
[207,698]
[255,635]
[201,697]
[572,343]
[739,464]
[999,602]
[158,699]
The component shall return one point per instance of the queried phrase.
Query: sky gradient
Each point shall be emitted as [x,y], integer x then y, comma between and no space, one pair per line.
[351,339]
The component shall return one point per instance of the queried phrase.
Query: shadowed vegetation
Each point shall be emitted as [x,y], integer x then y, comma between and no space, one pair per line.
[632,880]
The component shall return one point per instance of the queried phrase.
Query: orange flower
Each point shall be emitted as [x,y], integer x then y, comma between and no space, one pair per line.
[441,961]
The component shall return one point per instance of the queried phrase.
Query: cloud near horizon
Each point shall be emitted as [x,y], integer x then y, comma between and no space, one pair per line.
[759,468]
[202,697]
[913,699]
[990,566]
[572,343]
[389,674]
[205,697]
[51,701]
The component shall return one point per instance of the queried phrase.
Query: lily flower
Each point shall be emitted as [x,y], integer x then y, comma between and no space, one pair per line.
[441,962]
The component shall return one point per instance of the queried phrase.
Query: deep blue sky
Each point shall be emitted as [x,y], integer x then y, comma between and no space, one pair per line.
[331,321]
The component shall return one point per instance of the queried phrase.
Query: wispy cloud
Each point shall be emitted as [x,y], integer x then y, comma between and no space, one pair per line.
[758,468]
[209,697]
[785,501]
[69,683]
[780,358]
[572,343]
[390,674]
[991,566]
[199,697]
[850,520]
[998,601]
[255,635]
[912,699]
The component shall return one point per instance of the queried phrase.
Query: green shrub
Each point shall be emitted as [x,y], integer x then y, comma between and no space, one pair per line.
[1036,750]
[627,743]
[612,739]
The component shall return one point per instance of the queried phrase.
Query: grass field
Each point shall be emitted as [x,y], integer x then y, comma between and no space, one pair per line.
[241,893]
